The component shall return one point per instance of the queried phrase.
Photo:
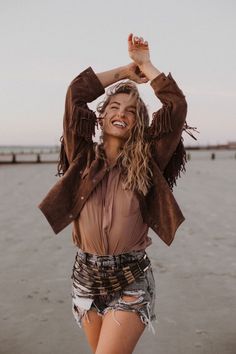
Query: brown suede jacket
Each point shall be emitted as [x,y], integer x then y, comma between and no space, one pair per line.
[159,208]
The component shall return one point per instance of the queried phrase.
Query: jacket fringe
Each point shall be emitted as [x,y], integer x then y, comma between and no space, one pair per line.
[187,129]
[161,122]
[176,165]
[161,125]
[83,124]
[63,163]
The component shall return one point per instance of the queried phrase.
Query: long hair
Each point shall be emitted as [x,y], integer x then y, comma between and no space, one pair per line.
[135,153]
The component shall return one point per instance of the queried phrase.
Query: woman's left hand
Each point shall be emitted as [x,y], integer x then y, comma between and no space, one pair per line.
[138,50]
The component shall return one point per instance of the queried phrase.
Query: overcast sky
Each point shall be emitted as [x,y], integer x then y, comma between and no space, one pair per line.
[45,44]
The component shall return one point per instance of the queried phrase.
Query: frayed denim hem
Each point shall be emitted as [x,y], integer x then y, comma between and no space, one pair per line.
[138,305]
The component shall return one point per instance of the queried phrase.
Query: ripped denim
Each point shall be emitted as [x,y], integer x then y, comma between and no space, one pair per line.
[143,302]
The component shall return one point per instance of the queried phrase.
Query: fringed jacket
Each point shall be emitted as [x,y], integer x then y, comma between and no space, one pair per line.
[82,172]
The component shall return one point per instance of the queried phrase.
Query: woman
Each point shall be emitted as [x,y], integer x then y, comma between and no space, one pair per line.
[114,191]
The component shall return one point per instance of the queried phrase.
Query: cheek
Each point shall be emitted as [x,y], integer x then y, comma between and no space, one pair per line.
[132,122]
[107,117]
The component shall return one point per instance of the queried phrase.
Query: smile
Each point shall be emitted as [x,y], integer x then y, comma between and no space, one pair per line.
[119,124]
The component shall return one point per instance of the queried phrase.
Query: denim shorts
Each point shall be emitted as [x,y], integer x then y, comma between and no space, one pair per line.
[143,289]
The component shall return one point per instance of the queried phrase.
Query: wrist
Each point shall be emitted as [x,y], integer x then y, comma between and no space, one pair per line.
[145,65]
[149,70]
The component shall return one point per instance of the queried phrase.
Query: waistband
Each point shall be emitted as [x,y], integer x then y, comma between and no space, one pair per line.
[110,260]
[101,275]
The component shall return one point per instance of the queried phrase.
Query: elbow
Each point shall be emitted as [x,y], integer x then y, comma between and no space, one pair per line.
[73,96]
[180,109]
[182,106]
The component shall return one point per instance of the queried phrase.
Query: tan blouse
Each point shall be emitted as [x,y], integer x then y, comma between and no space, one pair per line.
[110,222]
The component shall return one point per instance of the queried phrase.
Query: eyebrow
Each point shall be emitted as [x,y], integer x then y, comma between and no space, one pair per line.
[119,104]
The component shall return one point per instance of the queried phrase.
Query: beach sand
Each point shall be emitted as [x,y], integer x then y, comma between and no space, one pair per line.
[195,276]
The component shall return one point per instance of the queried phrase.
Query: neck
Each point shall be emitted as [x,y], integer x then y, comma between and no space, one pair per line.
[112,148]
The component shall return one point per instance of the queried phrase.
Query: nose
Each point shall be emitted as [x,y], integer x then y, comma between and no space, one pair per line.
[121,113]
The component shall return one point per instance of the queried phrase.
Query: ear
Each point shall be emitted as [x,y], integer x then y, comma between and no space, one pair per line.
[101,118]
[100,121]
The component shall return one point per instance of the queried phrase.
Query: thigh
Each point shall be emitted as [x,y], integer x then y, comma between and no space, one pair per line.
[113,335]
[92,323]
[87,317]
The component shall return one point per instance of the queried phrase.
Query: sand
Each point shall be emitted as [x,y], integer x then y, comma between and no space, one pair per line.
[195,277]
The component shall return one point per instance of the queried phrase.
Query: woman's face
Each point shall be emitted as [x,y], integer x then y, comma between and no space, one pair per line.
[119,116]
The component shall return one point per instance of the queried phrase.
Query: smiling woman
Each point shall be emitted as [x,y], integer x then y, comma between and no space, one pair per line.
[114,191]
[123,118]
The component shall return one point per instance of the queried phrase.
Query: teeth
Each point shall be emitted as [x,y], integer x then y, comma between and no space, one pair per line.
[121,124]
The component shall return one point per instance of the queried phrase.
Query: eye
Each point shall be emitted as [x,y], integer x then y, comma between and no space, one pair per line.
[131,111]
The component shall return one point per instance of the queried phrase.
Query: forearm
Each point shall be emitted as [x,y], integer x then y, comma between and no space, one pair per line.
[149,70]
[111,76]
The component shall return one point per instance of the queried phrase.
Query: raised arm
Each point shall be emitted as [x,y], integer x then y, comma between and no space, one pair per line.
[168,122]
[123,72]
[79,121]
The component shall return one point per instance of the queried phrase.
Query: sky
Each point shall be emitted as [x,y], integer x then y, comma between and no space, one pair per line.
[45,44]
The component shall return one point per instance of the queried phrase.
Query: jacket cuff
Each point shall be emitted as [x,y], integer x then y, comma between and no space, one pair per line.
[159,82]
[91,80]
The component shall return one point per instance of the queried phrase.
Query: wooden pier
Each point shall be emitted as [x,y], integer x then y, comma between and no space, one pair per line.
[30,157]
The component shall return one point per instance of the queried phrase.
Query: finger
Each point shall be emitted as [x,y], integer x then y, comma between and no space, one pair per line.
[141,81]
[137,71]
[139,41]
[144,80]
[130,38]
[142,75]
[133,39]
[143,42]
[140,78]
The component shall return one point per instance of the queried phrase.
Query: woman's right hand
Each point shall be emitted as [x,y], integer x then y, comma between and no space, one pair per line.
[138,50]
[134,74]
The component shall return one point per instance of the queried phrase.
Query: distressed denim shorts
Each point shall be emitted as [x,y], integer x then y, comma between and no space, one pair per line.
[143,289]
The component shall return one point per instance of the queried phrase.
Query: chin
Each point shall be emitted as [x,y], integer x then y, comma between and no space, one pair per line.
[120,135]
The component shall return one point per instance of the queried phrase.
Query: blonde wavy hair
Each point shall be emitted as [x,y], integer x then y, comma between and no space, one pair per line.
[135,153]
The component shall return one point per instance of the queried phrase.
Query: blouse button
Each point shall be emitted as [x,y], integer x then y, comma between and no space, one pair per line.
[82,197]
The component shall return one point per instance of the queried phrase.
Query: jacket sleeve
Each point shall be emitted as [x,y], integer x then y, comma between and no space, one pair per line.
[79,121]
[168,122]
